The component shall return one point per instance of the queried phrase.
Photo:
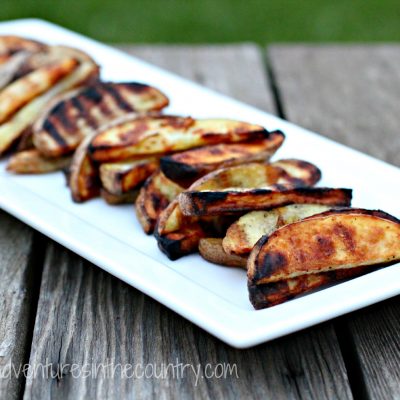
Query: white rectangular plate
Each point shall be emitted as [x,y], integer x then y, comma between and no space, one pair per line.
[213,297]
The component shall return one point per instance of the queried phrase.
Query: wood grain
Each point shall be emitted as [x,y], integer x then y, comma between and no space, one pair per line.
[17,300]
[86,316]
[351,94]
[234,70]
[348,93]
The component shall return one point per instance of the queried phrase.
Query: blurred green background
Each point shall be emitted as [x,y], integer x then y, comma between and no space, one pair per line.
[217,21]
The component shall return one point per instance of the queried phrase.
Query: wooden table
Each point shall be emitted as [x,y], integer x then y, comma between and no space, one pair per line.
[58,309]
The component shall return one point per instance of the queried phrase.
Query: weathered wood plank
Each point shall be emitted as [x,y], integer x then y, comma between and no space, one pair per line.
[216,67]
[348,93]
[86,316]
[352,95]
[17,300]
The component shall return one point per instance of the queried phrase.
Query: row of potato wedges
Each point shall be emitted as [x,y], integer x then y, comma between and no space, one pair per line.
[198,185]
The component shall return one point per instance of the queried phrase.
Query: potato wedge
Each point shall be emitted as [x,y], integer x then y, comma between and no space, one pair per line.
[178,235]
[208,202]
[192,164]
[33,162]
[330,241]
[23,90]
[11,130]
[10,69]
[155,195]
[185,241]
[10,45]
[84,177]
[117,199]
[64,125]
[211,250]
[272,294]
[242,235]
[165,134]
[172,224]
[296,173]
[119,178]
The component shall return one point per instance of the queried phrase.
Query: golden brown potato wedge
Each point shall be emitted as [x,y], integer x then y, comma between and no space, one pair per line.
[211,250]
[118,178]
[333,240]
[274,293]
[209,202]
[71,119]
[172,224]
[21,121]
[178,235]
[185,241]
[84,179]
[243,234]
[23,90]
[290,172]
[10,45]
[192,164]
[166,134]
[33,162]
[155,195]
[117,199]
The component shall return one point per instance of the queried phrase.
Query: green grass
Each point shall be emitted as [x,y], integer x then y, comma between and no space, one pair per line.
[216,21]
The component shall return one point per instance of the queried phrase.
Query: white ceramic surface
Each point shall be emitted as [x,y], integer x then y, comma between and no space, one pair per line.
[213,297]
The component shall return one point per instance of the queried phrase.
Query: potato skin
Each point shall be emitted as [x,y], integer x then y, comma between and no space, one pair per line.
[192,164]
[32,162]
[274,293]
[83,179]
[211,250]
[154,196]
[120,178]
[200,203]
[117,199]
[334,240]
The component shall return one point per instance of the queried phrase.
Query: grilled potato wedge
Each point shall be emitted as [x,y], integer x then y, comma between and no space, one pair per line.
[84,179]
[271,294]
[155,195]
[334,240]
[185,241]
[10,45]
[119,178]
[23,90]
[296,173]
[33,162]
[242,235]
[21,121]
[172,224]
[208,202]
[211,250]
[116,199]
[66,123]
[192,164]
[167,134]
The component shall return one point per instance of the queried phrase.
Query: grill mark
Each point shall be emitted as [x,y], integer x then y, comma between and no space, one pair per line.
[135,87]
[83,112]
[119,100]
[53,132]
[61,115]
[107,106]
